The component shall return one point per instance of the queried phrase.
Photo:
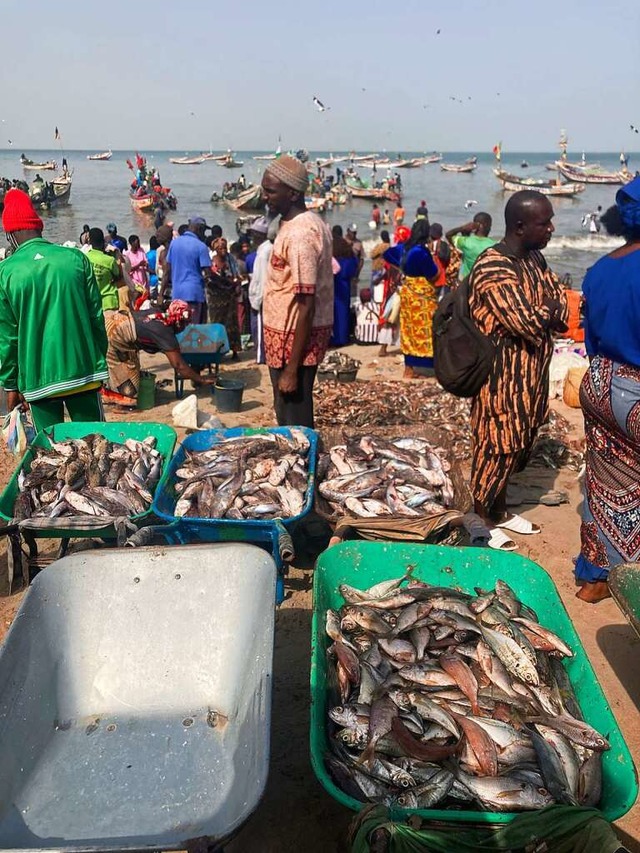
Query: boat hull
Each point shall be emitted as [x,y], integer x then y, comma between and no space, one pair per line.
[106,155]
[452,167]
[373,194]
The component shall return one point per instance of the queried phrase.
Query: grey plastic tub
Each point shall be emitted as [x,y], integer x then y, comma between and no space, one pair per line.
[135,699]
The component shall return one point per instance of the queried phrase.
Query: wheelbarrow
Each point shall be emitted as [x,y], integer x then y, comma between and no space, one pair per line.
[136,700]
[273,534]
[202,345]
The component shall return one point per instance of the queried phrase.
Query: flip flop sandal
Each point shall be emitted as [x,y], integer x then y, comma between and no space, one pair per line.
[500,541]
[518,524]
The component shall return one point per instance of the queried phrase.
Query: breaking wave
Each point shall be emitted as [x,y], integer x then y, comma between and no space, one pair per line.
[584,243]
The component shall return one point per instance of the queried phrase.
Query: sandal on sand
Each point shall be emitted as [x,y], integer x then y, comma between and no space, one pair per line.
[518,524]
[500,541]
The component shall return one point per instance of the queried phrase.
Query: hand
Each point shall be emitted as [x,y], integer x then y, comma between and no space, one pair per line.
[206,380]
[15,399]
[288,382]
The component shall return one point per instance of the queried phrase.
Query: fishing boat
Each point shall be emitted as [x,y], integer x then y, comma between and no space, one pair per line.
[230,163]
[105,155]
[374,194]
[469,165]
[414,163]
[46,195]
[146,192]
[250,198]
[316,203]
[514,183]
[142,203]
[48,165]
[593,175]
[431,158]
[187,161]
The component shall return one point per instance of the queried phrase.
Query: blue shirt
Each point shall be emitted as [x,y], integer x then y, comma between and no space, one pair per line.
[250,261]
[188,256]
[611,291]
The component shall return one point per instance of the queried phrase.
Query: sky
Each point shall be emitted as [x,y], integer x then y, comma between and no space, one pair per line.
[185,75]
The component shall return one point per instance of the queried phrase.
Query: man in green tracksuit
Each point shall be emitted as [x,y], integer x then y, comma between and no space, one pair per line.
[53,342]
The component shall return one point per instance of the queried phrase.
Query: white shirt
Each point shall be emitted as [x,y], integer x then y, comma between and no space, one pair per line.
[259,276]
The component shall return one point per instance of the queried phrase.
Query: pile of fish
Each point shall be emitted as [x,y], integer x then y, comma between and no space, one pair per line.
[440,698]
[89,476]
[251,477]
[379,403]
[369,477]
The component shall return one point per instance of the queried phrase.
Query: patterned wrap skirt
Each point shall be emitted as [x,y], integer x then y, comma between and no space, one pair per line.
[610,530]
[418,303]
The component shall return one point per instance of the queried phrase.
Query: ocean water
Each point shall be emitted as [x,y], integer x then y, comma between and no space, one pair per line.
[100,195]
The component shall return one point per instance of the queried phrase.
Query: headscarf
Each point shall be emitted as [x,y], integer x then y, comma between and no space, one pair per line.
[177,315]
[628,204]
[402,234]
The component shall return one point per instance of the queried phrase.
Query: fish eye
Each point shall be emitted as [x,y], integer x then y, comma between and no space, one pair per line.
[543,791]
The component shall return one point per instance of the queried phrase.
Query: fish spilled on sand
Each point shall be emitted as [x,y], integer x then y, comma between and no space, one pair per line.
[89,476]
[370,477]
[440,698]
[245,477]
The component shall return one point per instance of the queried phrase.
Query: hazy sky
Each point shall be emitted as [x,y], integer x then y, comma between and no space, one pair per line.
[185,75]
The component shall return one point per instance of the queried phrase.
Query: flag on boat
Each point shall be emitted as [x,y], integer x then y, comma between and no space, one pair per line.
[56,135]
[497,150]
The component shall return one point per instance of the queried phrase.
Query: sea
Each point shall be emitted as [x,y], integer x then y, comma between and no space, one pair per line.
[100,195]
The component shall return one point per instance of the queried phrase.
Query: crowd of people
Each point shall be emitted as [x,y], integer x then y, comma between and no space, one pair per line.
[289,284]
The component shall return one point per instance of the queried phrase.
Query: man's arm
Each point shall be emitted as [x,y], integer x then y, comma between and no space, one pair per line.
[94,305]
[8,351]
[306,308]
[465,230]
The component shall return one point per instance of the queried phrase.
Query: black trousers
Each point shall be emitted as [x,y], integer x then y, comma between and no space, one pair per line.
[294,409]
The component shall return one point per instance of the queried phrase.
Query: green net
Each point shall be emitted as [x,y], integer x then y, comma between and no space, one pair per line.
[556,829]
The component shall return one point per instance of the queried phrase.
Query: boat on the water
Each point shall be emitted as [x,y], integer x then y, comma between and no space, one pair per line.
[104,155]
[250,198]
[414,163]
[46,195]
[469,165]
[48,165]
[590,175]
[514,183]
[524,165]
[230,163]
[187,161]
[146,193]
[431,158]
[373,193]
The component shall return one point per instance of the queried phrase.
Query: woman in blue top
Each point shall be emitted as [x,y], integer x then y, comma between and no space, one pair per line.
[343,253]
[610,399]
[418,297]
[152,258]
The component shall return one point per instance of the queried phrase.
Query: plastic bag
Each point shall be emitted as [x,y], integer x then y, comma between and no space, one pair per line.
[17,431]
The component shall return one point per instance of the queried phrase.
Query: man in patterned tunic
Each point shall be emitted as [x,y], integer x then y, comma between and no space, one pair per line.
[297,309]
[518,302]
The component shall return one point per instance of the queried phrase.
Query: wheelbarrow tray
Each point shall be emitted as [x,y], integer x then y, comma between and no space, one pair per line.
[362,564]
[114,431]
[245,530]
[135,699]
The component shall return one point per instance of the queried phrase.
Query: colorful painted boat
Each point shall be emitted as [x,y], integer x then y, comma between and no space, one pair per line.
[105,155]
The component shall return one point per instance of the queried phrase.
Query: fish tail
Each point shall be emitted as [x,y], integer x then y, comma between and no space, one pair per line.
[368,754]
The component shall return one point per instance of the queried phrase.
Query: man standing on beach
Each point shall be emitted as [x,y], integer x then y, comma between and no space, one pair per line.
[187,269]
[106,270]
[471,240]
[518,303]
[53,342]
[298,298]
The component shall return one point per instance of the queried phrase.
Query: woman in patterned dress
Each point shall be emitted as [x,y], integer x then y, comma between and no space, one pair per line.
[418,297]
[610,399]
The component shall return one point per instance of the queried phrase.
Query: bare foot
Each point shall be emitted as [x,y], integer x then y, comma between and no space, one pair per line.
[593,592]
[383,352]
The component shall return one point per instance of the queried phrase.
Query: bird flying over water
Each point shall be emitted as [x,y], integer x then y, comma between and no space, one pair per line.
[469,203]
[437,32]
[319,105]
[635,129]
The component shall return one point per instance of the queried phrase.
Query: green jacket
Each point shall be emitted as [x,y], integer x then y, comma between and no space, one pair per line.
[52,334]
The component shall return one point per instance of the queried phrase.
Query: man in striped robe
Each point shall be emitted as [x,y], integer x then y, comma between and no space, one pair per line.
[518,303]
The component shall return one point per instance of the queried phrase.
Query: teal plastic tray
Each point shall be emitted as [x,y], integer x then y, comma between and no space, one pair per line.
[363,564]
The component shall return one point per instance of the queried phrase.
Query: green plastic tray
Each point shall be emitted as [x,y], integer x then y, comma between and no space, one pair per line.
[363,564]
[114,431]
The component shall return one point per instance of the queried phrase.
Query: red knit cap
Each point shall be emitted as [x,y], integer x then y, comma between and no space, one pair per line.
[19,214]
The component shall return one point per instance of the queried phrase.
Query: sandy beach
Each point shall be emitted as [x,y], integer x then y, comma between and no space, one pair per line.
[296,813]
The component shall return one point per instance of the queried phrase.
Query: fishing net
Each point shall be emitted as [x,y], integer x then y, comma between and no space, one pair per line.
[556,829]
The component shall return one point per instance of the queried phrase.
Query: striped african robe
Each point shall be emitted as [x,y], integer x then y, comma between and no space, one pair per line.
[506,302]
